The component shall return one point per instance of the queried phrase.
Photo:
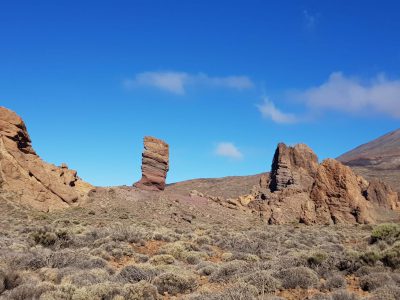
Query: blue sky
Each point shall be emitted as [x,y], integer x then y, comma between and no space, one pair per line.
[221,81]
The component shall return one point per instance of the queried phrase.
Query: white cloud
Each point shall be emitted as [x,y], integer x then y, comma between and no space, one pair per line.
[347,94]
[270,111]
[177,82]
[228,150]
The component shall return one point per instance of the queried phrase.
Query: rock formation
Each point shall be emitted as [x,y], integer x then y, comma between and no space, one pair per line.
[25,178]
[155,165]
[300,189]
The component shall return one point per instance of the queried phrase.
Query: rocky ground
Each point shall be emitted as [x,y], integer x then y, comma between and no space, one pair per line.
[124,243]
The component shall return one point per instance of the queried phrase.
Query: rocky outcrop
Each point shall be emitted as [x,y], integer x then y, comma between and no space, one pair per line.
[293,168]
[155,165]
[381,194]
[25,178]
[300,190]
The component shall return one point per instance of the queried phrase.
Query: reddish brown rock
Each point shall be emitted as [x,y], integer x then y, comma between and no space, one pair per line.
[155,165]
[301,190]
[25,178]
[382,194]
[293,167]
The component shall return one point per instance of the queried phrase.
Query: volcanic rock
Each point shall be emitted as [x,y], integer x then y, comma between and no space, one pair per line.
[155,164]
[26,178]
[302,190]
[293,168]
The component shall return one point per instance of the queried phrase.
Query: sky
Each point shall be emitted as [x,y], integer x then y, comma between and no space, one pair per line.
[221,81]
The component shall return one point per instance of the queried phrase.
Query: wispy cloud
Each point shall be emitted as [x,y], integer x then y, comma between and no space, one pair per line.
[177,82]
[310,19]
[270,111]
[227,149]
[349,94]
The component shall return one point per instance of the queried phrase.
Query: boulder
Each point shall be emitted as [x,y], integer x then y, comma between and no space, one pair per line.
[25,178]
[155,165]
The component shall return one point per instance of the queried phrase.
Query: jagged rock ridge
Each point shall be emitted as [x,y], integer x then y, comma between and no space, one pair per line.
[26,178]
[299,189]
[155,164]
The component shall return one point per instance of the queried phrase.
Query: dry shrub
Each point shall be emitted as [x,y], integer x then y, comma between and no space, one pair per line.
[227,270]
[335,282]
[142,290]
[134,273]
[263,281]
[174,284]
[375,280]
[302,277]
[162,259]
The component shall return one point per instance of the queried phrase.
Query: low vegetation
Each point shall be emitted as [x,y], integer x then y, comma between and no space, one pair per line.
[78,255]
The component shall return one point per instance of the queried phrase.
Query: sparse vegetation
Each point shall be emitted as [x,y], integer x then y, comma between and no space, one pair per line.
[75,254]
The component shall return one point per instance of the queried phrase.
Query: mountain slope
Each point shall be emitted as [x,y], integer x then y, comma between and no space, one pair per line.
[379,158]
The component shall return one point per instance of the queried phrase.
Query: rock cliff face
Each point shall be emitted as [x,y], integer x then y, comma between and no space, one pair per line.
[155,165]
[302,190]
[26,178]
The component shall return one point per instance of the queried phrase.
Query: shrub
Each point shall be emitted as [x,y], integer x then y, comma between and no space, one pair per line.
[302,277]
[386,232]
[263,281]
[174,284]
[391,256]
[375,280]
[105,290]
[11,279]
[321,297]
[240,291]
[316,259]
[29,291]
[228,270]
[344,295]
[63,292]
[162,259]
[133,274]
[370,257]
[85,278]
[335,282]
[2,282]
[47,236]
[386,293]
[140,291]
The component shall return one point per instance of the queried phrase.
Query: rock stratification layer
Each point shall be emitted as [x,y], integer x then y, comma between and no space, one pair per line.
[26,178]
[155,164]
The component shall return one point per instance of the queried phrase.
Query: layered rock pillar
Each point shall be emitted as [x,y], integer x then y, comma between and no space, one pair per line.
[155,165]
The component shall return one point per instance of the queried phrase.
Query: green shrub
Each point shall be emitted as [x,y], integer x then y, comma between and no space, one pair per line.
[391,256]
[370,257]
[389,233]
[316,259]
[174,284]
